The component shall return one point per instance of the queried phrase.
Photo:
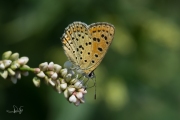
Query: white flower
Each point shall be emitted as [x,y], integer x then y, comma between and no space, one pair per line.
[51,66]
[14,79]
[54,76]
[78,85]
[72,99]
[63,86]
[41,74]
[43,66]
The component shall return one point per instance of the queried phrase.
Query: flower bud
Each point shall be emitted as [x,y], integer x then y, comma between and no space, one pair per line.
[66,94]
[51,82]
[7,63]
[72,99]
[82,90]
[14,56]
[2,66]
[18,75]
[41,74]
[64,72]
[68,77]
[71,90]
[79,95]
[54,76]
[49,73]
[4,74]
[25,66]
[11,72]
[6,55]
[23,60]
[37,70]
[58,87]
[46,79]
[43,66]
[77,103]
[51,66]
[73,81]
[62,80]
[14,79]
[82,100]
[57,68]
[36,81]
[78,85]
[15,65]
[63,86]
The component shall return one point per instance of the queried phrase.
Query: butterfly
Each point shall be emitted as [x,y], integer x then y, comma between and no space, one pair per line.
[86,45]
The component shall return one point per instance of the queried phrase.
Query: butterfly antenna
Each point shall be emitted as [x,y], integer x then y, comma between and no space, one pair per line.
[95,88]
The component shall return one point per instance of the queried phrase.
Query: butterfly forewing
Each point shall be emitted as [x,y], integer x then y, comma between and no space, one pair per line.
[102,36]
[81,44]
[68,47]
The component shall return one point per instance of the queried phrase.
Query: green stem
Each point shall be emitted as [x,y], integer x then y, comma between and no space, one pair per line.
[27,69]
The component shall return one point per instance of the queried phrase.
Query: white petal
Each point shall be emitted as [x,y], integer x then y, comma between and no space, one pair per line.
[41,74]
[43,66]
[4,74]
[18,75]
[82,90]
[11,72]
[71,90]
[72,99]
[63,86]
[68,77]
[64,72]
[51,66]
[78,85]
[79,95]
[36,81]
[51,82]
[14,79]
[2,66]
[6,55]
[66,94]
[54,76]
[77,103]
[57,68]
[7,63]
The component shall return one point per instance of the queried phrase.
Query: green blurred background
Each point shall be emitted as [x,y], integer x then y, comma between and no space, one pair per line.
[138,79]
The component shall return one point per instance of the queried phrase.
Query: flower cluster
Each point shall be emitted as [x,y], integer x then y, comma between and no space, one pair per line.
[10,66]
[63,80]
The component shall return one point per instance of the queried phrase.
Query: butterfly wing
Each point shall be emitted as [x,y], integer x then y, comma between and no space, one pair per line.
[77,44]
[102,35]
[83,44]
[68,46]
